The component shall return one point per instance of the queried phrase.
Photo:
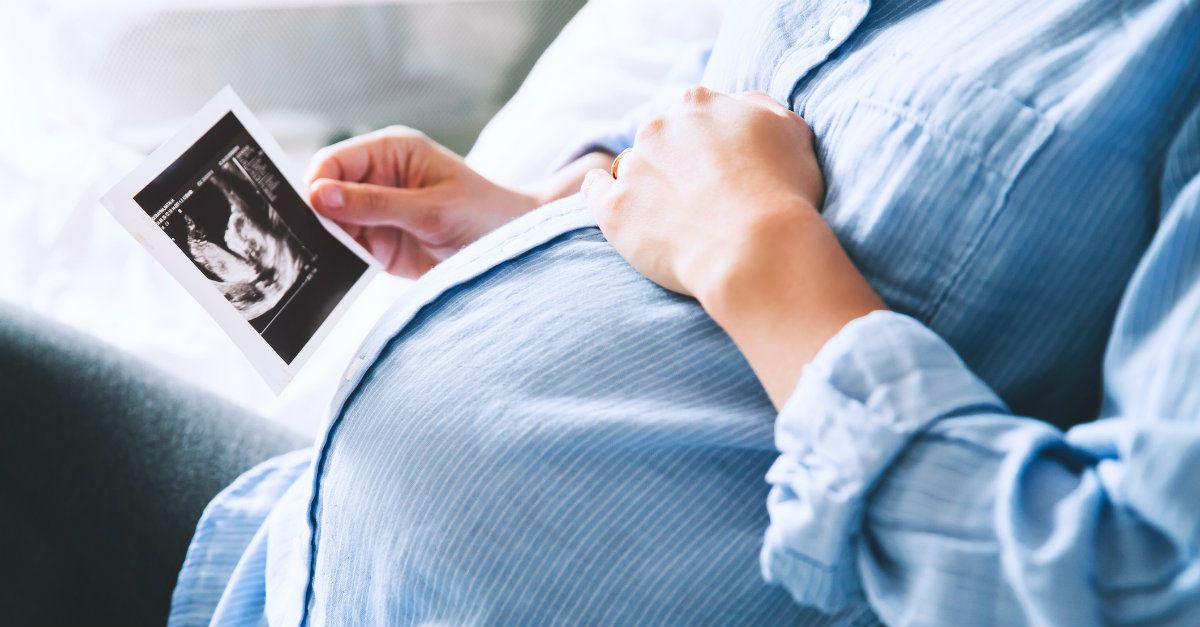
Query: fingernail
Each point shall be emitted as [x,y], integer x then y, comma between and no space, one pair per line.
[331,196]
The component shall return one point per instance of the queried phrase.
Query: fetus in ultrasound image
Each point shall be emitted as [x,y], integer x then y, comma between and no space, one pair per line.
[243,245]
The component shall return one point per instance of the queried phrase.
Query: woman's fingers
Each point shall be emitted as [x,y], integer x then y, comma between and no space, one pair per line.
[363,158]
[419,211]
[597,186]
[711,172]
[762,99]
[759,97]
[347,160]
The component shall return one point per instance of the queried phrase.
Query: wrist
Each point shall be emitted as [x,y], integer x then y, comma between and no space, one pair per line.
[508,203]
[762,257]
[783,291]
[565,181]
[792,270]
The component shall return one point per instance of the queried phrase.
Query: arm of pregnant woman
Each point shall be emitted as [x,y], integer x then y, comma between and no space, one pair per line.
[902,478]
[412,202]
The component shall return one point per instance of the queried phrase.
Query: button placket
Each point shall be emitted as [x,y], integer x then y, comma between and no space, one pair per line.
[450,273]
[514,247]
[829,28]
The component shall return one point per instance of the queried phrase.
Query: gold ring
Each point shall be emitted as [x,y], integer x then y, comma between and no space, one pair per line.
[617,162]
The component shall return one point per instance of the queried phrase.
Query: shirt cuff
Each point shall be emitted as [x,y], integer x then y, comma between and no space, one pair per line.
[879,382]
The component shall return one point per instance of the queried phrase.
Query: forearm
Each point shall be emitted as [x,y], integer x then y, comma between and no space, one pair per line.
[783,289]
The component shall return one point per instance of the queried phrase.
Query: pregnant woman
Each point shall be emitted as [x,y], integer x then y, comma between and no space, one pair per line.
[550,429]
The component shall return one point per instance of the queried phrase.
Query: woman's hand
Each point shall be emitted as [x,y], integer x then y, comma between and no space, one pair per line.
[411,202]
[700,180]
[719,199]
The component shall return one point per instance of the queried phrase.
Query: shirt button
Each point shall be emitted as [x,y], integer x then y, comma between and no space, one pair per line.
[839,27]
[354,367]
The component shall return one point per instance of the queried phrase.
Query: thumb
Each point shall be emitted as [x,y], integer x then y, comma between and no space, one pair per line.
[596,186]
[365,204]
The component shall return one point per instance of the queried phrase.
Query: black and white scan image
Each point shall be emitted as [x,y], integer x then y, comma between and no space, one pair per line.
[230,210]
[243,246]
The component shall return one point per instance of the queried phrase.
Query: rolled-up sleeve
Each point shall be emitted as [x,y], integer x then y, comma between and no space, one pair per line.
[873,388]
[903,481]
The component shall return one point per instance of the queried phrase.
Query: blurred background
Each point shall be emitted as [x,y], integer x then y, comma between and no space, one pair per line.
[92,86]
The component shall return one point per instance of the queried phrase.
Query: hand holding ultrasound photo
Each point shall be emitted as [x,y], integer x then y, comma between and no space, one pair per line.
[214,207]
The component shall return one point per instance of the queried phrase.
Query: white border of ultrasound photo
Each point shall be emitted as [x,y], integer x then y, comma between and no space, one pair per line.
[120,202]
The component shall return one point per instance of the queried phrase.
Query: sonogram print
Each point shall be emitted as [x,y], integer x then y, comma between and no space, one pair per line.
[226,205]
[242,244]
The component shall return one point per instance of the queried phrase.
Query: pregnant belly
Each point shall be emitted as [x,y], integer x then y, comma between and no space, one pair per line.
[558,441]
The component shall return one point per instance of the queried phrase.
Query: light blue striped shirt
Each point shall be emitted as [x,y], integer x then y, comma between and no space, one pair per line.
[538,435]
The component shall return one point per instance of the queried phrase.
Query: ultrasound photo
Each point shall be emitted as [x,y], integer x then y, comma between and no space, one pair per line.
[230,210]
